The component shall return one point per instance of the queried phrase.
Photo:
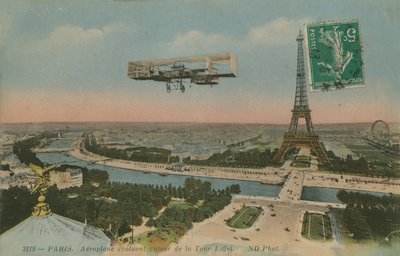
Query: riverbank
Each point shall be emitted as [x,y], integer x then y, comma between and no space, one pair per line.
[268,175]
[327,180]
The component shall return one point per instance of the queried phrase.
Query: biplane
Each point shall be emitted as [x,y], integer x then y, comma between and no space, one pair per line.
[200,70]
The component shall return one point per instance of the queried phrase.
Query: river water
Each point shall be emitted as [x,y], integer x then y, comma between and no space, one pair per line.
[60,144]
[139,177]
[251,188]
[329,194]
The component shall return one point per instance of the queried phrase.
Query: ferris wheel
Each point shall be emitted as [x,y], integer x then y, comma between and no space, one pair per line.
[380,130]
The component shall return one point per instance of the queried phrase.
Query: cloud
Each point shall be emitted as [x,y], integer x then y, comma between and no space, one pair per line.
[69,37]
[195,42]
[199,39]
[276,32]
[119,28]
[70,53]
[273,33]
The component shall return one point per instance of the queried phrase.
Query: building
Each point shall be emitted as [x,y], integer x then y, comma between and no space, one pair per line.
[47,233]
[67,179]
[23,179]
[63,180]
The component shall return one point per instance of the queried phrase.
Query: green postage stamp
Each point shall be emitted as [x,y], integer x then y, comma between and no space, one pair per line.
[334,55]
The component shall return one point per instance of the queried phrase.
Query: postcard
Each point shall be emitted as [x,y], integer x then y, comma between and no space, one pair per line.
[171,127]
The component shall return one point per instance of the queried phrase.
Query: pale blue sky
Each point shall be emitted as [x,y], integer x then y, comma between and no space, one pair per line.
[67,60]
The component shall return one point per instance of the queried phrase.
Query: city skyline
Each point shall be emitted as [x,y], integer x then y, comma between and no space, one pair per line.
[70,64]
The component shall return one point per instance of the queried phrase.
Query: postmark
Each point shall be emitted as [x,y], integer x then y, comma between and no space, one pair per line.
[334,55]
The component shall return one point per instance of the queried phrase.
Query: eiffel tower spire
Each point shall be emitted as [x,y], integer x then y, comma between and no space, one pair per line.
[293,138]
[301,108]
[301,100]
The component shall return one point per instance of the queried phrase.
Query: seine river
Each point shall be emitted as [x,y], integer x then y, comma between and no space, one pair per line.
[329,194]
[139,177]
[251,188]
[60,144]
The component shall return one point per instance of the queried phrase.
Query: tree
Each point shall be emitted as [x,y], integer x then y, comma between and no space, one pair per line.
[124,228]
[179,228]
[193,198]
[356,223]
[91,211]
[16,205]
[235,189]
[151,222]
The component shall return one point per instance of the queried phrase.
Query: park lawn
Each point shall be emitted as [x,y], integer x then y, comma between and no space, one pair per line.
[129,153]
[300,164]
[261,143]
[303,158]
[376,155]
[368,152]
[157,239]
[245,218]
[357,146]
[316,227]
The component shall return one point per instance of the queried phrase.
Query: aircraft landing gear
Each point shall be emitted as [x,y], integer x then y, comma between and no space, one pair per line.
[175,85]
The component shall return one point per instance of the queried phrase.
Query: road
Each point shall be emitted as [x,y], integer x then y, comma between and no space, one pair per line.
[293,186]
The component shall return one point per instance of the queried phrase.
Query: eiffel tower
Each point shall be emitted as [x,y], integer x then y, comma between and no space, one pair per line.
[293,137]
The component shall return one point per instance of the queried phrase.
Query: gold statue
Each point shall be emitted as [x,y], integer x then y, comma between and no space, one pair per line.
[42,178]
[42,185]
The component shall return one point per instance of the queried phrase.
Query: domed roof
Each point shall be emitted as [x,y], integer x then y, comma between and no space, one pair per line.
[53,235]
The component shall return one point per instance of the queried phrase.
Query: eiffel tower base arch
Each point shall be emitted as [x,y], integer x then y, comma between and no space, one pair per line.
[305,140]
